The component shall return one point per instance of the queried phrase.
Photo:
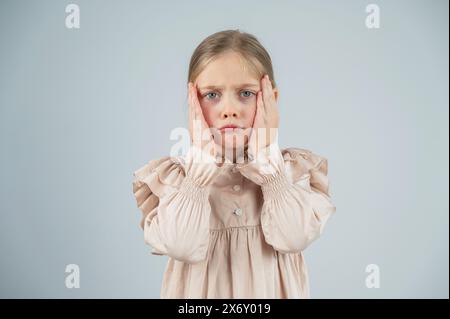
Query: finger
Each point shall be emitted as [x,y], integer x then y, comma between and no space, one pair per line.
[268,92]
[193,108]
[199,108]
[192,115]
[196,116]
[194,104]
[271,93]
[261,107]
[263,87]
[259,112]
[265,90]
[269,83]
[252,134]
[256,119]
[204,127]
[195,100]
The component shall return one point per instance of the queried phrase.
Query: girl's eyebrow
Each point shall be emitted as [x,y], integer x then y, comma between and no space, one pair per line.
[208,87]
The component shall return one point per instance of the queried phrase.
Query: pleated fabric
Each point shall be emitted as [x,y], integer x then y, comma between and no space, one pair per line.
[234,230]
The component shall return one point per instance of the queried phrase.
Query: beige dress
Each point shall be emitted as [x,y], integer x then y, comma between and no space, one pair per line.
[237,230]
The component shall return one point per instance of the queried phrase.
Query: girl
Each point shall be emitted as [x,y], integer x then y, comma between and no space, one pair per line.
[234,224]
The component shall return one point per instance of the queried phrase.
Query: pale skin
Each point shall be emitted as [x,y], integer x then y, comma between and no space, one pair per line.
[226,92]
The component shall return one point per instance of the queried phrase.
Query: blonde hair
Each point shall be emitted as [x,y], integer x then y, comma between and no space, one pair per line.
[247,45]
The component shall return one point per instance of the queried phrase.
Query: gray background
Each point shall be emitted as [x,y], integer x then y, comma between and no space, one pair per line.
[82,109]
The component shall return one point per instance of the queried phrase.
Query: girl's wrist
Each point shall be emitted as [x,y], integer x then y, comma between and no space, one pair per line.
[263,165]
[200,167]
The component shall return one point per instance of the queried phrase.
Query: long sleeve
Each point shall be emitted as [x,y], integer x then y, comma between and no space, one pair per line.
[296,204]
[173,197]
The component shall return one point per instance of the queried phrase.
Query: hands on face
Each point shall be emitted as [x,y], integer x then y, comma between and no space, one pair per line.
[201,135]
[265,125]
[263,131]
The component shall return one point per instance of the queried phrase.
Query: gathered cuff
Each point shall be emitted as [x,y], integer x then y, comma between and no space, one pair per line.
[275,185]
[192,188]
[264,166]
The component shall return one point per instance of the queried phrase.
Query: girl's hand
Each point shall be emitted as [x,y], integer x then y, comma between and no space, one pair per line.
[265,125]
[201,135]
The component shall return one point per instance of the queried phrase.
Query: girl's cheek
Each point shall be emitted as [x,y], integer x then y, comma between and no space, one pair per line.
[250,100]
[249,116]
[207,102]
[206,113]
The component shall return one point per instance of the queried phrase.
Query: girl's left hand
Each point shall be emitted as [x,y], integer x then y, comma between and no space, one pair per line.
[265,125]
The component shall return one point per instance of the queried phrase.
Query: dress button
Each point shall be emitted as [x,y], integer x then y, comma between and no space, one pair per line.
[237,188]
[238,211]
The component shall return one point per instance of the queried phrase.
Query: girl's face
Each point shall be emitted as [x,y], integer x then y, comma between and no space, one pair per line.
[227,94]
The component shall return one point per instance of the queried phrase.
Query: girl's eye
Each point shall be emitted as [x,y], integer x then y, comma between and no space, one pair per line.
[213,95]
[208,95]
[248,93]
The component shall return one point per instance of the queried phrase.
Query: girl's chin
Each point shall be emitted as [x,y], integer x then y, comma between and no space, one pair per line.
[235,132]
[230,145]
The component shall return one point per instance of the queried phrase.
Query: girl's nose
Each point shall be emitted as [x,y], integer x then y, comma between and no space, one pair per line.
[229,114]
[229,109]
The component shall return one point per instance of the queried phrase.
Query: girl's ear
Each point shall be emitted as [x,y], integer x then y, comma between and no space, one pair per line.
[275,93]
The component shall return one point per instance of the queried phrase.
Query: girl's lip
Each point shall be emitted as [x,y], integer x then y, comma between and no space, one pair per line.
[229,127]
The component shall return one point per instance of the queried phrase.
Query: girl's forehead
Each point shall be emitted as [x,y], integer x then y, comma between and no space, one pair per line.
[227,78]
[228,70]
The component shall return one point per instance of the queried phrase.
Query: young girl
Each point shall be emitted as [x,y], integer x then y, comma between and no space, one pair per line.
[234,226]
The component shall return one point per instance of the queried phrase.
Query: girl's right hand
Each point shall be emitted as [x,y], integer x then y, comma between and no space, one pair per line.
[201,135]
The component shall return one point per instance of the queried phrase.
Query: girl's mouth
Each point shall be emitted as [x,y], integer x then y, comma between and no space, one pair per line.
[229,128]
